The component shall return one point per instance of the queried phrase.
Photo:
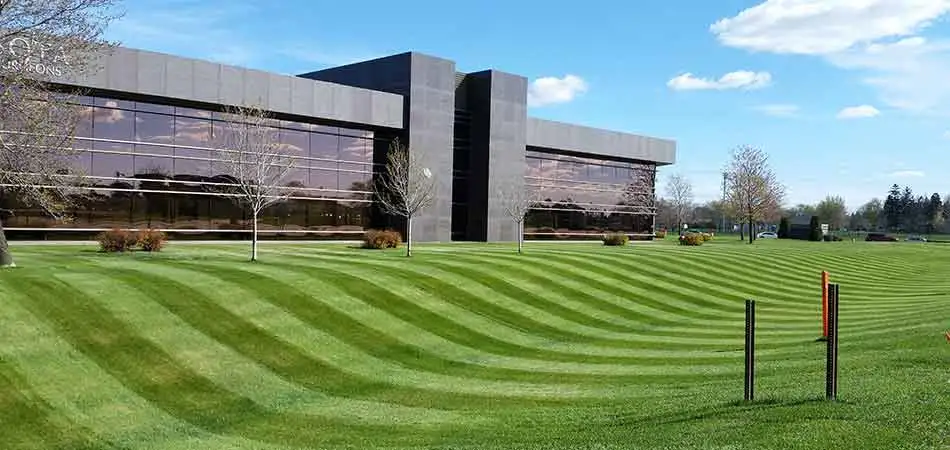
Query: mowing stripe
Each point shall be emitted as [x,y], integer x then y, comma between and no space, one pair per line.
[228,369]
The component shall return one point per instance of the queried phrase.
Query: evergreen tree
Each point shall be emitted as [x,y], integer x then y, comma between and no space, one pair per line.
[814,232]
[906,209]
[892,208]
[783,228]
[934,213]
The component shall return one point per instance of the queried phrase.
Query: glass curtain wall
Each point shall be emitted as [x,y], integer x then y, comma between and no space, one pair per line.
[578,198]
[152,166]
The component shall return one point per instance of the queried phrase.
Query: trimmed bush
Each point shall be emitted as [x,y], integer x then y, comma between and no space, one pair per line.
[692,239]
[381,239]
[616,239]
[661,234]
[117,241]
[706,237]
[152,240]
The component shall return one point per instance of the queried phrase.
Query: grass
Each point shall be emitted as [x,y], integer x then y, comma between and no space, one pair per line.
[471,346]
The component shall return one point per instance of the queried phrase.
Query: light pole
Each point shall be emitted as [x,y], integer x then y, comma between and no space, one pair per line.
[722,224]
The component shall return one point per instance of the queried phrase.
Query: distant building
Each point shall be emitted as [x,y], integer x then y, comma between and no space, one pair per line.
[799,227]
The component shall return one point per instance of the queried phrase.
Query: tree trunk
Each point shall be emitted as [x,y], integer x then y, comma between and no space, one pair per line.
[6,259]
[254,239]
[751,232]
[409,236]
[520,237]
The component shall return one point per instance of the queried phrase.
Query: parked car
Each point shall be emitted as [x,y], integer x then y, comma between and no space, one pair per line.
[766,235]
[880,237]
[916,238]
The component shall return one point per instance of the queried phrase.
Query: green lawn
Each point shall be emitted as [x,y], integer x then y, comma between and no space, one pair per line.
[471,346]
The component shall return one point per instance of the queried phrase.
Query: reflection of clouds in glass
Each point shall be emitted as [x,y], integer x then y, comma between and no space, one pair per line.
[353,149]
[102,115]
[291,149]
[195,132]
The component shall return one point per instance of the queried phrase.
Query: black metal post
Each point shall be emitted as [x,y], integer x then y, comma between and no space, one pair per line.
[831,366]
[749,350]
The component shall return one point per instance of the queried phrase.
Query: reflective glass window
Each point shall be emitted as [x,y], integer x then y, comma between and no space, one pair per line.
[112,165]
[323,178]
[297,178]
[154,108]
[192,112]
[156,128]
[324,146]
[353,180]
[325,129]
[112,125]
[113,103]
[154,166]
[82,162]
[354,149]
[295,142]
[84,124]
[192,162]
[192,132]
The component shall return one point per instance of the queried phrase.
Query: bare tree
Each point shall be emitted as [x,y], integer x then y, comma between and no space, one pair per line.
[405,188]
[42,43]
[638,196]
[679,197]
[517,201]
[753,192]
[833,211]
[249,152]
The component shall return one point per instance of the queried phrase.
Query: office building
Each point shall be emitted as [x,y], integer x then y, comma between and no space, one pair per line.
[146,151]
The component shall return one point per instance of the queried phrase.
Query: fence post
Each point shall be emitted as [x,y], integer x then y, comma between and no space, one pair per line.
[749,350]
[831,366]
[824,304]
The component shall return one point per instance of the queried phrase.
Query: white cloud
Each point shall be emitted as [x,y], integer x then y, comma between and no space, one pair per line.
[741,79]
[907,174]
[819,27]
[858,112]
[779,110]
[879,38]
[551,90]
[909,74]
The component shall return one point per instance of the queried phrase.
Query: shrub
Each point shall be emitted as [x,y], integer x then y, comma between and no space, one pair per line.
[117,240]
[152,240]
[615,239]
[814,230]
[661,234]
[706,237]
[692,239]
[783,228]
[380,239]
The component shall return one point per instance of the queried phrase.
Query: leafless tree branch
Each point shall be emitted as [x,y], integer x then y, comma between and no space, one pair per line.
[406,187]
[41,42]
[248,151]
[517,201]
[753,192]
[679,197]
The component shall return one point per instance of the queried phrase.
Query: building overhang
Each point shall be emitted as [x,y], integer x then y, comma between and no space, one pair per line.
[580,139]
[151,74]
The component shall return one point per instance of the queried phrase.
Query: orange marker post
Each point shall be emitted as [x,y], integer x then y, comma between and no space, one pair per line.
[824,303]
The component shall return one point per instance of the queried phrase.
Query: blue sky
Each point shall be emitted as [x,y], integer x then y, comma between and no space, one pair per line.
[846,96]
